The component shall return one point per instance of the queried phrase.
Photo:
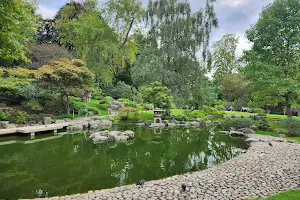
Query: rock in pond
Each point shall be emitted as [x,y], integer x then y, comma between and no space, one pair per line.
[112,136]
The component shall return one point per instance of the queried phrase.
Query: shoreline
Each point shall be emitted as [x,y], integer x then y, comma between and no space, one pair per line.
[262,171]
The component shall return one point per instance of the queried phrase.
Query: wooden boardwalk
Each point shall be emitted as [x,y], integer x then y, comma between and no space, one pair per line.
[34,129]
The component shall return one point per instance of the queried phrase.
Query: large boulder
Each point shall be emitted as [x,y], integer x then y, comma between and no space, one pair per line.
[236,133]
[75,127]
[194,123]
[121,138]
[4,124]
[112,136]
[171,124]
[115,106]
[130,134]
[200,121]
[247,130]
[47,120]
[98,137]
[99,124]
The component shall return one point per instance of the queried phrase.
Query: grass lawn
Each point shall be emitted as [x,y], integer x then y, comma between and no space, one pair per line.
[237,113]
[267,133]
[290,195]
[94,103]
[276,135]
[177,112]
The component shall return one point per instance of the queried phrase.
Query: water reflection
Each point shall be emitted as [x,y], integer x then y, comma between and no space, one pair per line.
[74,164]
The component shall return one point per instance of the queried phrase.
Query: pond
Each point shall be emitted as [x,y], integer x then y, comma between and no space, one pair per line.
[72,163]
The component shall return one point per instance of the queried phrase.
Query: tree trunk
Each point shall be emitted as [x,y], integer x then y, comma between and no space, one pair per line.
[289,110]
[68,104]
[128,31]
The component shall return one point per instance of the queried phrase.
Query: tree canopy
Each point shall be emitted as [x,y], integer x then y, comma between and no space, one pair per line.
[17,27]
[67,77]
[175,35]
[224,59]
[273,61]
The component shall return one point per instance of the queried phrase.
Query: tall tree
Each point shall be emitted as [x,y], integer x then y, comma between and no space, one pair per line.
[224,60]
[175,35]
[273,61]
[64,21]
[67,77]
[17,27]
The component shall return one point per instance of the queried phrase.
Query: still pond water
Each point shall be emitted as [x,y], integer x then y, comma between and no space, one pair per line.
[73,163]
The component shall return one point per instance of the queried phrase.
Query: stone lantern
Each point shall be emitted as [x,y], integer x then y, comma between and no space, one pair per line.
[157,115]
[157,122]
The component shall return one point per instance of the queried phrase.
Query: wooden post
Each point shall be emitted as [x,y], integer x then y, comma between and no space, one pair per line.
[55,132]
[32,135]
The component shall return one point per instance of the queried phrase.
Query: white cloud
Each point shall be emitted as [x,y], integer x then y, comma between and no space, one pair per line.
[234,3]
[46,12]
[244,44]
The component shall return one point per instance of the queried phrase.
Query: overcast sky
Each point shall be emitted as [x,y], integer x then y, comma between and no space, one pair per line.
[235,16]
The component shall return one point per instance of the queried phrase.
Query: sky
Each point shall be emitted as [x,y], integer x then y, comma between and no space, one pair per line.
[235,16]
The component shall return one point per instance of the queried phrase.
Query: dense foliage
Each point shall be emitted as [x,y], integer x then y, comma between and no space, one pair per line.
[273,61]
[67,77]
[17,22]
[156,56]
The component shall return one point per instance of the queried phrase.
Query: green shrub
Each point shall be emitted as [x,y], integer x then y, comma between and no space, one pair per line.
[64,116]
[78,107]
[126,111]
[130,104]
[21,117]
[181,118]
[35,117]
[34,105]
[257,110]
[120,90]
[4,116]
[104,106]
[292,125]
[123,118]
[149,107]
[238,123]
[97,93]
[197,113]
[220,107]
[263,124]
[106,100]
[213,112]
[54,105]
[127,102]
[94,110]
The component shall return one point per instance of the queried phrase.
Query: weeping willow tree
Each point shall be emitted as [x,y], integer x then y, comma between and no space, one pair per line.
[175,36]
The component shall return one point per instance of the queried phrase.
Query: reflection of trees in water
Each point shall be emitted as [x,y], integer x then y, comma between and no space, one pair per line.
[75,164]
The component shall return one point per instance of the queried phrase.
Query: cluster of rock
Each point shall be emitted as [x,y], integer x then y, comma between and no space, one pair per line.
[114,107]
[175,123]
[260,172]
[44,121]
[89,123]
[6,125]
[112,136]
